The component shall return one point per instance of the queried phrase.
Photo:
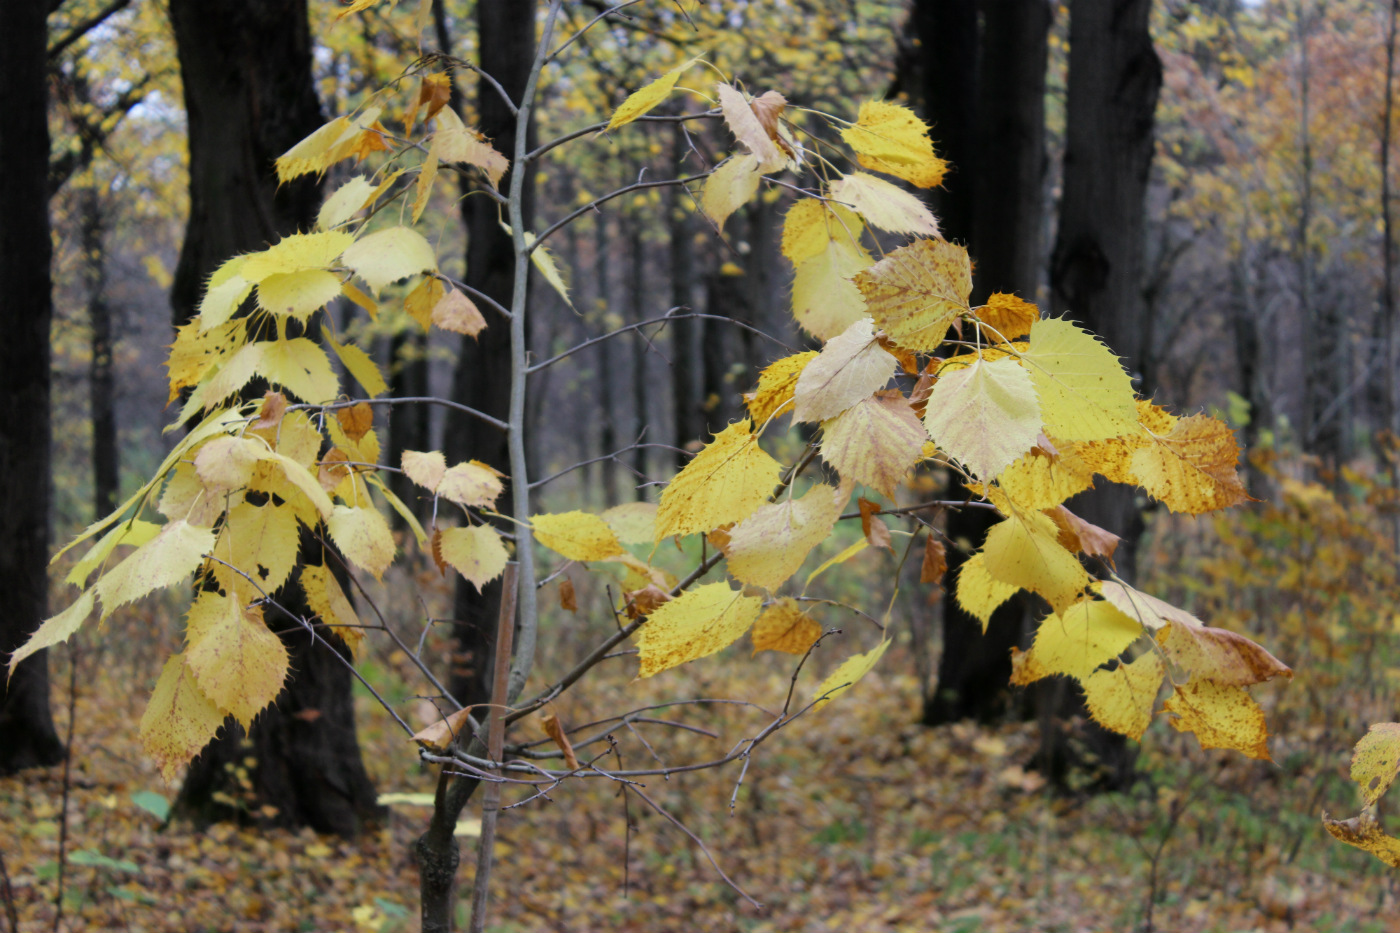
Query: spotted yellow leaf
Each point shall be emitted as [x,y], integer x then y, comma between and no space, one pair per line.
[730,478]
[784,627]
[698,623]
[179,719]
[769,546]
[875,442]
[775,387]
[1122,699]
[326,598]
[238,663]
[1076,642]
[849,368]
[892,139]
[1222,716]
[812,223]
[576,535]
[918,291]
[847,674]
[476,552]
[363,536]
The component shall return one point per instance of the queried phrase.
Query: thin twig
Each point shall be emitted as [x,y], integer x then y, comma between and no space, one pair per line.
[675,314]
[596,202]
[407,400]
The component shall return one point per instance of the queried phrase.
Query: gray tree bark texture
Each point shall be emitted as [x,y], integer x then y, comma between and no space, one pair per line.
[246,69]
[506,40]
[27,736]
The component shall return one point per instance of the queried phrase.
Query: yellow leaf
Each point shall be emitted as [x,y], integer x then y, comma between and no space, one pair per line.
[345,202]
[845,676]
[169,558]
[425,468]
[1007,317]
[884,205]
[849,368]
[730,187]
[221,301]
[1084,393]
[471,484]
[458,313]
[196,351]
[985,416]
[1039,480]
[644,99]
[891,139]
[296,252]
[326,146]
[325,598]
[179,719]
[397,505]
[1192,469]
[747,129]
[301,367]
[1366,834]
[1221,716]
[389,255]
[840,558]
[698,623]
[1024,551]
[423,187]
[918,291]
[358,364]
[236,661]
[261,541]
[812,223]
[979,594]
[545,265]
[55,629]
[775,386]
[134,533]
[1075,643]
[730,478]
[825,301]
[576,535]
[225,464]
[633,522]
[363,536]
[420,302]
[1374,763]
[361,299]
[1122,699]
[298,294]
[476,552]
[875,442]
[766,548]
[300,477]
[785,627]
[455,142]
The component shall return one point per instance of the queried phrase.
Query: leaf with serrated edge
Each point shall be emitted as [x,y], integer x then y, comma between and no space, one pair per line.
[847,674]
[1039,480]
[825,300]
[179,719]
[730,478]
[876,441]
[134,533]
[1193,468]
[769,546]
[236,661]
[1375,762]
[1024,551]
[296,252]
[849,368]
[456,142]
[775,386]
[472,484]
[812,223]
[459,314]
[576,535]
[1075,642]
[426,468]
[169,558]
[55,629]
[747,129]
[298,294]
[260,540]
[730,187]
[918,291]
[1366,834]
[363,536]
[325,598]
[476,552]
[544,263]
[359,364]
[698,623]
[344,203]
[645,98]
[1122,699]
[892,139]
[985,416]
[784,627]
[1007,317]
[633,522]
[884,205]
[389,255]
[1222,716]
[1084,393]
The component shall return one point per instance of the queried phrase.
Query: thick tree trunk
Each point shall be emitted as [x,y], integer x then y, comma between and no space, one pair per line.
[106,456]
[506,40]
[246,68]
[27,736]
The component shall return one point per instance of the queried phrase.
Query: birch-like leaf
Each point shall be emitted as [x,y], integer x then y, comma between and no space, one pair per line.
[476,552]
[730,187]
[875,442]
[850,367]
[892,139]
[169,558]
[576,535]
[363,536]
[884,205]
[179,719]
[918,291]
[237,662]
[985,416]
[389,255]
[1084,393]
[846,676]
[698,623]
[730,478]
[769,546]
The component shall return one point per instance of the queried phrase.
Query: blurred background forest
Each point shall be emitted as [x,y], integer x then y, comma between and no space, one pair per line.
[1260,286]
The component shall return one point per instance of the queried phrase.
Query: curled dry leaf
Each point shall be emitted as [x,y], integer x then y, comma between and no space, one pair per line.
[555,731]
[440,735]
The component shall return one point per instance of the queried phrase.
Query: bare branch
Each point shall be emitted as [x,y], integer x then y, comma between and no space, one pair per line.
[671,315]
[593,205]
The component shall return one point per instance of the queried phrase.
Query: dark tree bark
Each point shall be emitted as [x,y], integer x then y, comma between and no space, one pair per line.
[995,204]
[246,68]
[27,736]
[408,424]
[102,402]
[945,86]
[685,349]
[506,40]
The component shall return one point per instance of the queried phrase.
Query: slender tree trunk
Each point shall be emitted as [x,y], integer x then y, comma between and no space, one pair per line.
[506,40]
[27,736]
[1096,266]
[246,69]
[606,357]
[101,379]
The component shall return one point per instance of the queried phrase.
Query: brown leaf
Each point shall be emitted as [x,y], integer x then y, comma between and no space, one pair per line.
[437,551]
[768,107]
[568,599]
[1078,535]
[459,314]
[645,601]
[333,469]
[274,406]
[908,359]
[356,420]
[555,731]
[719,538]
[935,563]
[307,715]
[875,531]
[434,93]
[923,387]
[442,733]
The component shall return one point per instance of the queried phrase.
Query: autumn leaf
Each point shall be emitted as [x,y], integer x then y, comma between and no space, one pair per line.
[472,484]
[775,386]
[1222,716]
[169,558]
[1007,317]
[769,546]
[849,368]
[1084,393]
[55,629]
[874,442]
[337,140]
[698,623]
[632,522]
[918,291]
[876,532]
[847,674]
[1076,642]
[935,562]
[747,129]
[179,719]
[552,728]
[1025,551]
[1366,834]
[134,533]
[359,365]
[1191,469]
[261,541]
[1122,699]
[1041,480]
[576,535]
[426,468]
[363,536]
[455,142]
[389,255]
[825,300]
[298,294]
[476,552]
[438,736]
[891,139]
[985,416]
[1375,761]
[784,627]
[978,593]
[458,313]
[884,205]
[237,662]
[730,187]
[420,302]
[1077,535]
[730,478]
[345,202]
[326,598]
[812,223]
[641,101]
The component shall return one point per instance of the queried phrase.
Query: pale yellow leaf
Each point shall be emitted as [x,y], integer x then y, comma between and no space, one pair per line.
[298,294]
[1025,551]
[730,187]
[179,719]
[398,506]
[730,478]
[55,629]
[134,532]
[576,535]
[325,598]
[301,367]
[471,484]
[875,442]
[363,536]
[261,541]
[359,364]
[812,223]
[544,263]
[846,675]
[849,368]
[169,558]
[633,522]
[476,552]
[237,662]
[884,205]
[1122,699]
[389,255]
[699,622]
[918,291]
[455,142]
[747,129]
[221,301]
[296,252]
[984,416]
[426,468]
[825,300]
[845,555]
[769,546]
[891,139]
[1084,393]
[427,174]
[347,201]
